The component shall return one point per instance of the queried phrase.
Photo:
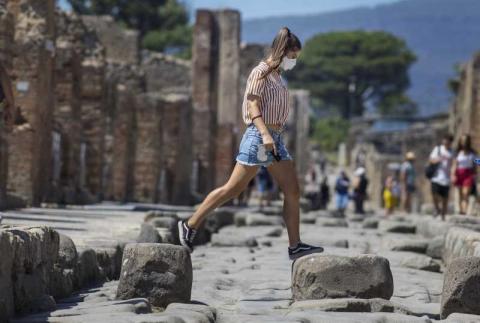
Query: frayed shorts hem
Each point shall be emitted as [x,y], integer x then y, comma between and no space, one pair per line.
[266,164]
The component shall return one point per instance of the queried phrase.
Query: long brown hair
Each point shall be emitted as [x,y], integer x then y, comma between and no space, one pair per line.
[284,42]
[465,146]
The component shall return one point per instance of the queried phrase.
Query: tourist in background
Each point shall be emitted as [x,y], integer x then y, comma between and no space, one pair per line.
[407,179]
[312,187]
[463,171]
[264,187]
[441,157]
[388,196]
[360,184]
[396,191]
[342,185]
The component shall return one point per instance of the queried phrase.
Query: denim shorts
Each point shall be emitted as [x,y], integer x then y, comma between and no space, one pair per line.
[249,146]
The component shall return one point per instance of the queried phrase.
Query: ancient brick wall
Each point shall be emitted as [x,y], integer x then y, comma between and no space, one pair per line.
[68,107]
[204,56]
[296,132]
[148,149]
[93,95]
[216,80]
[176,161]
[30,146]
[464,113]
[6,45]
[168,74]
[121,45]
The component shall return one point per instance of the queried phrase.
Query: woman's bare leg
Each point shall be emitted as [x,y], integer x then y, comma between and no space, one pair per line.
[464,194]
[285,175]
[237,182]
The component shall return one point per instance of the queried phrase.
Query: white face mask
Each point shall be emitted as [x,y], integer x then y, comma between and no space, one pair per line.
[288,63]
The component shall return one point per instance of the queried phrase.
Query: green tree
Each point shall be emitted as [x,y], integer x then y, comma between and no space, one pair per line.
[328,133]
[161,23]
[351,70]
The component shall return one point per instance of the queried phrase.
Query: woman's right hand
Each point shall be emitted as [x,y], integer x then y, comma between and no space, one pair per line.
[269,143]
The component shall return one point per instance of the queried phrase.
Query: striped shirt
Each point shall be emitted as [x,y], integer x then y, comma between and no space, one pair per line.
[273,95]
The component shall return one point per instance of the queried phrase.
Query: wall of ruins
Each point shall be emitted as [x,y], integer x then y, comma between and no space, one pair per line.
[121,45]
[164,114]
[68,136]
[204,56]
[465,110]
[167,74]
[6,45]
[93,95]
[296,132]
[30,146]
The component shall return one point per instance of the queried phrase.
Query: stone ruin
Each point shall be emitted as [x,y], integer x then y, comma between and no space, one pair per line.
[105,121]
[464,111]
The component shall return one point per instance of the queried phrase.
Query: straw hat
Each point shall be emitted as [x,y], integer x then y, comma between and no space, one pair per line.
[410,155]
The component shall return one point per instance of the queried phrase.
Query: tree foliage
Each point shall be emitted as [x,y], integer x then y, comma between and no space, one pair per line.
[352,70]
[330,132]
[161,23]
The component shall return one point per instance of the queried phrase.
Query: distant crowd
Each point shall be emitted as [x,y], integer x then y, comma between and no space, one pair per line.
[447,167]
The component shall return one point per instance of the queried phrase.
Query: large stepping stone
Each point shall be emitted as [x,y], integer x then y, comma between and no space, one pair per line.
[160,272]
[351,305]
[421,262]
[435,247]
[461,287]
[396,226]
[460,242]
[320,276]
[418,246]
[331,222]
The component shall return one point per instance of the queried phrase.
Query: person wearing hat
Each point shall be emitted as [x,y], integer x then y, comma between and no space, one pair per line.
[360,185]
[407,178]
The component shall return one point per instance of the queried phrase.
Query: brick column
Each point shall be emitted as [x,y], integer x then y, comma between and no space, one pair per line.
[30,151]
[204,56]
[6,44]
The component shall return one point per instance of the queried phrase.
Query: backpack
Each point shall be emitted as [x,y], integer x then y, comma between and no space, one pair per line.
[431,168]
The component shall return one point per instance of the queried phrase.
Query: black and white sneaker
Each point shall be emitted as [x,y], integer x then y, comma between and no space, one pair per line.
[302,249]
[186,235]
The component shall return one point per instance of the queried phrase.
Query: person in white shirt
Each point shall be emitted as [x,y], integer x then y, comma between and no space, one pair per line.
[463,171]
[442,156]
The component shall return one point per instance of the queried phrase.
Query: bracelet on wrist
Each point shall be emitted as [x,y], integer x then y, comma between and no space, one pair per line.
[257,116]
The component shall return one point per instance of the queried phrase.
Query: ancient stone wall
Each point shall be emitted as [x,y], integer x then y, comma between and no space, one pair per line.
[216,80]
[68,107]
[121,45]
[167,74]
[124,83]
[30,146]
[93,94]
[204,56]
[148,150]
[464,113]
[296,132]
[6,46]
[176,158]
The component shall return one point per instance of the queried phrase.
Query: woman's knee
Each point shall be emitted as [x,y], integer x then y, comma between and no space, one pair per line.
[292,192]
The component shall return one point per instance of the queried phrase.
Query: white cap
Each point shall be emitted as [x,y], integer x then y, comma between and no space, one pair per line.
[359,171]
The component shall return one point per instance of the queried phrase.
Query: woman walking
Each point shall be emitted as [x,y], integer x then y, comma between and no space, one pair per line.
[463,171]
[264,110]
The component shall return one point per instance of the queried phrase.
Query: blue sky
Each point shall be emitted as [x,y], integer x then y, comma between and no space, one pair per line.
[266,8]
